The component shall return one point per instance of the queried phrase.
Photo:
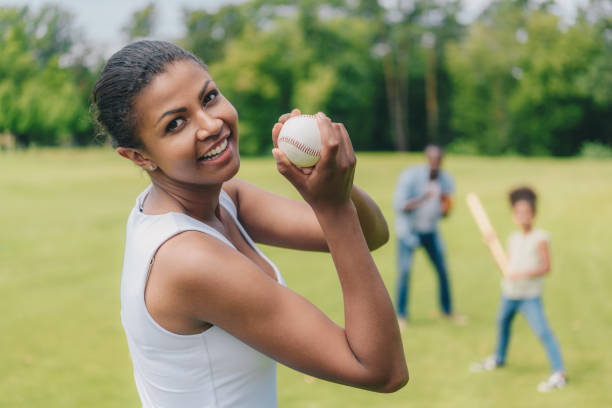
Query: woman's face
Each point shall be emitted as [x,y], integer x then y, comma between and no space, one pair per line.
[188,129]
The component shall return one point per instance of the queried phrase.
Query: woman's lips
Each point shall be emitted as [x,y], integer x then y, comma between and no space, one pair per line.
[216,151]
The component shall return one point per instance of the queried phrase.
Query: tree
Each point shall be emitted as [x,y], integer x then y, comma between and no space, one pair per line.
[401,28]
[142,23]
[302,55]
[40,102]
[520,79]
[208,33]
[326,55]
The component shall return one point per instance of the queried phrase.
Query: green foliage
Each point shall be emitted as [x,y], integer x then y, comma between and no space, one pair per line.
[399,75]
[305,62]
[526,83]
[142,23]
[461,146]
[208,33]
[596,150]
[41,102]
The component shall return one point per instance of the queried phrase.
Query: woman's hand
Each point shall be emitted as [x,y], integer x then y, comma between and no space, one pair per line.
[329,183]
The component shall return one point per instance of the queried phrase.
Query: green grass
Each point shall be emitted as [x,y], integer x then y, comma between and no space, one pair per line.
[61,245]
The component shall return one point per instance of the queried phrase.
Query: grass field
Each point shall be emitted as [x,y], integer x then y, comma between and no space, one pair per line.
[61,245]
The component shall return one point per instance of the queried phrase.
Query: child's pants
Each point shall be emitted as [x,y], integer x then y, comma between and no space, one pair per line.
[533,311]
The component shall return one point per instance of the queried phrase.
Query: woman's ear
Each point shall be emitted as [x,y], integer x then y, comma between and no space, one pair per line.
[137,157]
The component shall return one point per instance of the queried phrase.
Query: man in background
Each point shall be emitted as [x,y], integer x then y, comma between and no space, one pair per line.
[422,197]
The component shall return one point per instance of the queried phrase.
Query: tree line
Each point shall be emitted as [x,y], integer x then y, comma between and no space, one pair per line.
[517,79]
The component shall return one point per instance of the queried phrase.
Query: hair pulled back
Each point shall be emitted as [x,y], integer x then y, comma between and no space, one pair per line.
[125,75]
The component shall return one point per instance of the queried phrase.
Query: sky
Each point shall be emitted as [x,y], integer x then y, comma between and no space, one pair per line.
[101,21]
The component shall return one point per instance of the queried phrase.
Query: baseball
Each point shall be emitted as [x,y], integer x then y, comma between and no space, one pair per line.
[300,140]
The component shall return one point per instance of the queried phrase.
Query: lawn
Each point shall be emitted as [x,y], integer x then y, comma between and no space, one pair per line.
[63,214]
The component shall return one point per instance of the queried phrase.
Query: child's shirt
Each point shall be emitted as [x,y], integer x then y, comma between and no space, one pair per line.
[523,254]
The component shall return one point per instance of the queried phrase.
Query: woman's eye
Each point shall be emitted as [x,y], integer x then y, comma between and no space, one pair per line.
[211,96]
[174,124]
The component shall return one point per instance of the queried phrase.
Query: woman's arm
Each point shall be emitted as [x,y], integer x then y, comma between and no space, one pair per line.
[212,282]
[280,221]
[198,280]
[371,219]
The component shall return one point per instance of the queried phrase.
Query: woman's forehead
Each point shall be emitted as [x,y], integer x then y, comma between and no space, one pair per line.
[177,75]
[180,82]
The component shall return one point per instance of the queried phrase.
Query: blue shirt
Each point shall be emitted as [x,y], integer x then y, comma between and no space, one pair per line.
[412,183]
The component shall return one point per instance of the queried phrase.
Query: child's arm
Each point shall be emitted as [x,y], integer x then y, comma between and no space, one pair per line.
[542,269]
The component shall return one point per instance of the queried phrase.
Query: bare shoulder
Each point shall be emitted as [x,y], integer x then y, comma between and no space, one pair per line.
[189,258]
[199,275]
[234,186]
[197,280]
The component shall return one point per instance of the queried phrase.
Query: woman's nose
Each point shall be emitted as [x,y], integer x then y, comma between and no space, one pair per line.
[207,125]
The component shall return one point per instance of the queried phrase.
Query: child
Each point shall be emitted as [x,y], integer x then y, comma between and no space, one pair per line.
[529,261]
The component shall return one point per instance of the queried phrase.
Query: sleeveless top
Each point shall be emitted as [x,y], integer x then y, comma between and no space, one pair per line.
[208,369]
[523,254]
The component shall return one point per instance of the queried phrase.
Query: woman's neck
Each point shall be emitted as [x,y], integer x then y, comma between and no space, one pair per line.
[200,202]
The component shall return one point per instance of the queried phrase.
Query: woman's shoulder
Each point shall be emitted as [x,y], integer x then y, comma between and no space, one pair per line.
[193,251]
[233,186]
[241,192]
[232,189]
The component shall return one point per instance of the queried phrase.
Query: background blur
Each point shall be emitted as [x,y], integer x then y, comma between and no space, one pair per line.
[527,77]
[519,91]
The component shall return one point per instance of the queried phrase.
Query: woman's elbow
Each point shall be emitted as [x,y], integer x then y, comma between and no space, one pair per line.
[394,382]
[388,380]
[380,238]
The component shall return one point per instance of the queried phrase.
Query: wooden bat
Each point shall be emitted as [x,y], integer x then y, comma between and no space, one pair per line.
[488,232]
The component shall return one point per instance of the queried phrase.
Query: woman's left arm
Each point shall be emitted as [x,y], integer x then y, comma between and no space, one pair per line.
[373,223]
[280,221]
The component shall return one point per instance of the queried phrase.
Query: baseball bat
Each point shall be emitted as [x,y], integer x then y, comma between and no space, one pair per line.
[488,232]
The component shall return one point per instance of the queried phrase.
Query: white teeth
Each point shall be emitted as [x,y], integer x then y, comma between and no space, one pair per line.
[216,150]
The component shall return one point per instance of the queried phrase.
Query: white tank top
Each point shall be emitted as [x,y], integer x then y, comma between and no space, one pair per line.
[209,369]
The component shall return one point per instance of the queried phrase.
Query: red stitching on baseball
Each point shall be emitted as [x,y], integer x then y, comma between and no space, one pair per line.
[300,146]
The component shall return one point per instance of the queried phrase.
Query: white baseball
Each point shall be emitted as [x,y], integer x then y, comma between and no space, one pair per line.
[300,140]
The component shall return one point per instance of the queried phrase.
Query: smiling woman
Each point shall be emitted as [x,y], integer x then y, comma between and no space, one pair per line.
[205,313]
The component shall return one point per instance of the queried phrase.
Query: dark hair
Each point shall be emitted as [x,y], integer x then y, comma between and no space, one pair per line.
[523,193]
[125,75]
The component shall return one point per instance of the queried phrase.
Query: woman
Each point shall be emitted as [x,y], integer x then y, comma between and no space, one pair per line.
[204,311]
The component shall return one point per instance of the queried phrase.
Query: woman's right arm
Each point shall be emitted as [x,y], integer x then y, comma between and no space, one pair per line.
[219,285]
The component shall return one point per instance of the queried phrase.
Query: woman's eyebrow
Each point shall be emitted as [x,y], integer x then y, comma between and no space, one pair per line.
[201,94]
[170,112]
[183,109]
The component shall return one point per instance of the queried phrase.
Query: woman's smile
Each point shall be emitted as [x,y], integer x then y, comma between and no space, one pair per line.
[217,152]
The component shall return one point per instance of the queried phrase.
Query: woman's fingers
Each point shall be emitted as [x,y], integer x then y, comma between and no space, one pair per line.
[284,117]
[281,121]
[275,131]
[292,173]
[330,139]
[347,145]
